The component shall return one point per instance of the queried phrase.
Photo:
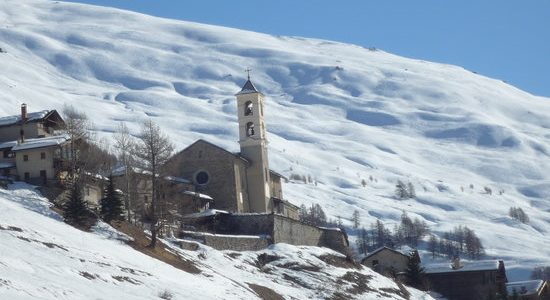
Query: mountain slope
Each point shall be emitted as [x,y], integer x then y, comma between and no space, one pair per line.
[44,258]
[339,113]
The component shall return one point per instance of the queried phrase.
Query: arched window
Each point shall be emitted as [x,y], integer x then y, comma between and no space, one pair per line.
[249,129]
[248,108]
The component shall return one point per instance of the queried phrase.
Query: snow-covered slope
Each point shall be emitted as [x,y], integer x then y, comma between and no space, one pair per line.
[339,113]
[41,257]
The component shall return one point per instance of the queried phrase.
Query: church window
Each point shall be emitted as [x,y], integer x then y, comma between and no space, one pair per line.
[249,129]
[200,154]
[202,178]
[248,108]
[261,109]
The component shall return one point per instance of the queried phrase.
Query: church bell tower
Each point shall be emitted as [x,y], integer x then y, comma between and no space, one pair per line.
[253,142]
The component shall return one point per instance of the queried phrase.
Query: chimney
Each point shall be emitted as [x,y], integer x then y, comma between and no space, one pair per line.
[23,113]
[24,118]
[456,264]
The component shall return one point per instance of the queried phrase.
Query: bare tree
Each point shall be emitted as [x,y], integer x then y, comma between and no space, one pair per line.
[355,218]
[77,127]
[152,151]
[124,143]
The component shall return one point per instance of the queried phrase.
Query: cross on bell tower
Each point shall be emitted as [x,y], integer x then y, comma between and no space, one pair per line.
[253,143]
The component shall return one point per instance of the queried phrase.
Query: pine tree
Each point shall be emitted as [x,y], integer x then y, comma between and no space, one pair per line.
[76,211]
[111,204]
[415,272]
[401,190]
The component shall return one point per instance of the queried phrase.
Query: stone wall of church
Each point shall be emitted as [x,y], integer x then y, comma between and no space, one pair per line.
[222,185]
[282,229]
[230,242]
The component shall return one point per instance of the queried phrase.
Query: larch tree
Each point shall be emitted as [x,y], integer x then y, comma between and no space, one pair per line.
[356,219]
[152,152]
[124,143]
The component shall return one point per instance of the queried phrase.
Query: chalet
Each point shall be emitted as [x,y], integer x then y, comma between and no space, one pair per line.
[528,290]
[468,281]
[387,261]
[30,125]
[29,148]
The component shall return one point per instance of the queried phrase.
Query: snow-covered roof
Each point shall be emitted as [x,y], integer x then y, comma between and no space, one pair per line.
[524,288]
[42,142]
[31,117]
[177,179]
[388,249]
[195,194]
[7,165]
[206,213]
[479,265]
[9,144]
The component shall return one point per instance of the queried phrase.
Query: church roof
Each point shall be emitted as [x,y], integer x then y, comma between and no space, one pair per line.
[237,155]
[248,88]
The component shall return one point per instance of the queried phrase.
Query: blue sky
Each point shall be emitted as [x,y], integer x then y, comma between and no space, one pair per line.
[503,39]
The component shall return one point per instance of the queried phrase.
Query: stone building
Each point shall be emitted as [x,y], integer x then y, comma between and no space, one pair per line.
[29,148]
[238,182]
[387,261]
[468,281]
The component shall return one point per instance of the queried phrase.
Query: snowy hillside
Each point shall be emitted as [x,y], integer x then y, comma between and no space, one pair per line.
[339,113]
[41,257]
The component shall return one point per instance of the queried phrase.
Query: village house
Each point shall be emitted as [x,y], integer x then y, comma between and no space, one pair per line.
[238,182]
[387,261]
[29,149]
[467,281]
[528,290]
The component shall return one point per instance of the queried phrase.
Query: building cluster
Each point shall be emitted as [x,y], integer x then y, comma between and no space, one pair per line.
[482,279]
[201,186]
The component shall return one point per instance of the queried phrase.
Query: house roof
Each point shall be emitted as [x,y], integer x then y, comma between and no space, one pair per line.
[7,165]
[275,199]
[387,249]
[248,88]
[524,288]
[51,141]
[479,265]
[198,195]
[38,116]
[277,174]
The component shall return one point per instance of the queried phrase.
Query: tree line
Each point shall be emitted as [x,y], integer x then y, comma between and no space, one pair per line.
[148,151]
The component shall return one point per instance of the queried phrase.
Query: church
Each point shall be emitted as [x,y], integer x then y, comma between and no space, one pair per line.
[238,182]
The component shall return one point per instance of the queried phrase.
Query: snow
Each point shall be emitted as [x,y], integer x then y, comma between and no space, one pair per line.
[7,165]
[338,112]
[465,267]
[206,213]
[41,142]
[41,257]
[10,120]
[195,194]
[528,287]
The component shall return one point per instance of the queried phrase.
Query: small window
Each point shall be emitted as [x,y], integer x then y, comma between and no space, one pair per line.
[25,157]
[27,176]
[374,262]
[248,108]
[42,155]
[249,129]
[200,154]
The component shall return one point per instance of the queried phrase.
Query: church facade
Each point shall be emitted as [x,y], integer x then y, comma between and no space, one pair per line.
[238,182]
